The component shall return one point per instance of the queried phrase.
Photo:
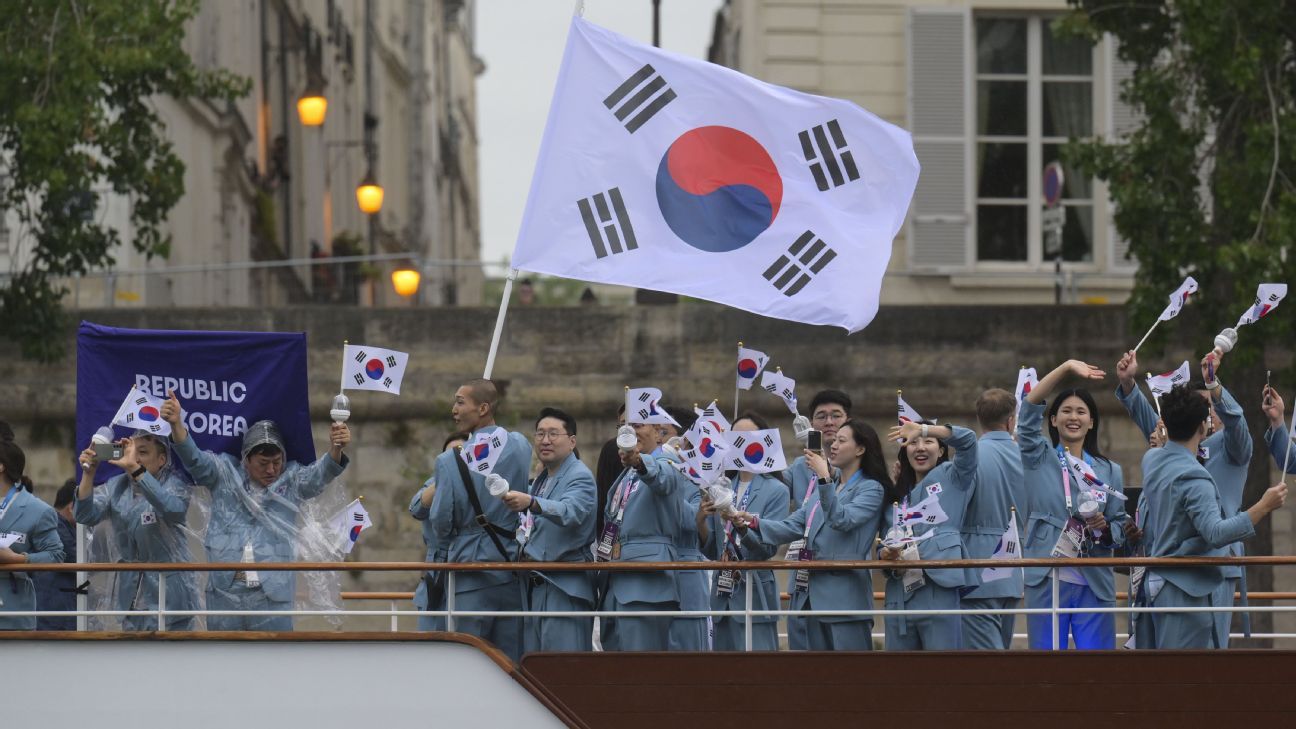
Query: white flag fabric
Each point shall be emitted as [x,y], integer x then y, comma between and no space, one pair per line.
[1009,548]
[643,405]
[669,173]
[905,413]
[348,524]
[142,411]
[779,384]
[757,451]
[708,451]
[1027,379]
[1085,476]
[483,450]
[711,415]
[750,364]
[373,368]
[1163,383]
[1179,298]
[1267,297]
[928,511]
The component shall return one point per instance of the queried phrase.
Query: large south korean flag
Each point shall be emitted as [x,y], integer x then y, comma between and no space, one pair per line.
[668,173]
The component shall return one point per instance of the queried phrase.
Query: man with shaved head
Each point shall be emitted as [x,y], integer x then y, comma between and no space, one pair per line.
[470,536]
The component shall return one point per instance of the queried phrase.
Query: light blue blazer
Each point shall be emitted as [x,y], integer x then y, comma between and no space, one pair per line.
[1184,517]
[1048,512]
[564,528]
[1276,440]
[245,513]
[149,527]
[36,524]
[455,522]
[843,528]
[1228,454]
[998,491]
[767,497]
[952,482]
[434,552]
[650,531]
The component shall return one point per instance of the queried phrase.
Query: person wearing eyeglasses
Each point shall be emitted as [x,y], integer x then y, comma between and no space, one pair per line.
[829,410]
[557,525]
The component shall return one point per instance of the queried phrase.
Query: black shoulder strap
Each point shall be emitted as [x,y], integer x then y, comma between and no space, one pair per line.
[494,532]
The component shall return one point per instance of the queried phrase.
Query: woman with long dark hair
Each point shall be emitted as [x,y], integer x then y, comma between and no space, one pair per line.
[758,493]
[838,521]
[1070,514]
[924,522]
[29,534]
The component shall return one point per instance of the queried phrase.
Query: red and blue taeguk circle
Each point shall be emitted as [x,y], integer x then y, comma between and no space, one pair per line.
[718,188]
[707,448]
[374,368]
[148,413]
[480,451]
[355,532]
[754,453]
[747,368]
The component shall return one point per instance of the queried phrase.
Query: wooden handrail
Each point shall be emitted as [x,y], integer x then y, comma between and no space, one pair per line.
[780,565]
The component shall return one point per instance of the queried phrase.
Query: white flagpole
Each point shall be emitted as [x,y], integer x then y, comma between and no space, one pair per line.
[737,389]
[1287,458]
[1156,399]
[342,383]
[1145,336]
[499,323]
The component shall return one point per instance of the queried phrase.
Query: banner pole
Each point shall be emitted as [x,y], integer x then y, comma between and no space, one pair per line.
[1145,336]
[342,381]
[737,387]
[1287,458]
[499,323]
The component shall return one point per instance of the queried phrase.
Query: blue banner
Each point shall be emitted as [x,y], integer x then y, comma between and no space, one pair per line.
[225,381]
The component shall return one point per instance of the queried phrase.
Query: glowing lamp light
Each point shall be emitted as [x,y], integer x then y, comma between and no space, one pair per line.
[311,107]
[405,281]
[369,195]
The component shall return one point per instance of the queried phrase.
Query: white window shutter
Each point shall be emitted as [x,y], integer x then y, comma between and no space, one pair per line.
[1123,120]
[940,229]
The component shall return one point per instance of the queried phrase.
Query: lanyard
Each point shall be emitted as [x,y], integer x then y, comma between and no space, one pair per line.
[743,500]
[8,500]
[1066,477]
[628,486]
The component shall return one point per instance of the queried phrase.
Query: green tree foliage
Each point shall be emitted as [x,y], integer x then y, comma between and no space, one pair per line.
[77,80]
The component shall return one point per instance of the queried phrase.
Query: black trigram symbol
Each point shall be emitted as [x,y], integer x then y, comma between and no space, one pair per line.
[155,427]
[359,378]
[1010,547]
[360,356]
[638,104]
[387,382]
[130,417]
[706,466]
[598,212]
[768,440]
[819,153]
[391,361]
[141,401]
[644,413]
[358,517]
[644,397]
[769,462]
[482,466]
[738,441]
[792,271]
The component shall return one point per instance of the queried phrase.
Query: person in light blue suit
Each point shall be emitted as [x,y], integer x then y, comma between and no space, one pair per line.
[147,505]
[766,496]
[421,509]
[933,492]
[557,526]
[1184,517]
[1056,498]
[255,503]
[997,498]
[1225,452]
[828,410]
[29,529]
[642,525]
[464,538]
[687,633]
[839,522]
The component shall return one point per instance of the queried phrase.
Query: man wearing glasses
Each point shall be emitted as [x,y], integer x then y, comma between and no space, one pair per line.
[828,411]
[556,525]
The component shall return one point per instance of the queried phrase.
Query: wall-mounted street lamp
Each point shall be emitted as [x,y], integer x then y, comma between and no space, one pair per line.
[369,194]
[405,281]
[312,105]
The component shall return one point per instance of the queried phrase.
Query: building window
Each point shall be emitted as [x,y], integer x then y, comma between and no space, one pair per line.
[1034,91]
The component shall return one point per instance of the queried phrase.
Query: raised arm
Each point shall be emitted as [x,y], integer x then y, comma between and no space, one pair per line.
[1276,436]
[1069,369]
[846,515]
[91,506]
[203,466]
[312,479]
[421,505]
[1202,504]
[1238,445]
[1129,395]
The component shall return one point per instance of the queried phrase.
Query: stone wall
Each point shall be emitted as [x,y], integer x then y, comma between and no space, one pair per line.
[582,357]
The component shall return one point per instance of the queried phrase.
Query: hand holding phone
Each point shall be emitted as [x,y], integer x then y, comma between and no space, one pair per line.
[814,440]
[107,451]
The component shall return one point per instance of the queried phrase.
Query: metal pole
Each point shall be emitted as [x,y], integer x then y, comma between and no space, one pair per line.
[747,616]
[394,618]
[450,596]
[499,323]
[1053,586]
[656,23]
[161,606]
[81,577]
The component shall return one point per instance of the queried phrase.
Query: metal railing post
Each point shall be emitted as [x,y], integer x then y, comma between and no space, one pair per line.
[450,596]
[1053,615]
[747,612]
[161,606]
[395,627]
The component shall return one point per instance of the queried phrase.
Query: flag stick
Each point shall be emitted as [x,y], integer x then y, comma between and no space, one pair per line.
[499,323]
[1157,400]
[342,387]
[1287,457]
[737,389]
[1145,336]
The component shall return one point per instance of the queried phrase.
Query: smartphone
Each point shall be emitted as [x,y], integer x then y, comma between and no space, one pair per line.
[814,440]
[107,451]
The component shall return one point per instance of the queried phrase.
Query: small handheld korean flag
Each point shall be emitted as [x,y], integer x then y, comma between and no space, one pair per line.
[348,524]
[1026,381]
[483,451]
[712,416]
[1178,299]
[1163,383]
[142,411]
[750,364]
[905,413]
[372,368]
[1009,548]
[777,383]
[1267,297]
[643,405]
[928,511]
[706,458]
[757,451]
[1086,476]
